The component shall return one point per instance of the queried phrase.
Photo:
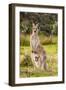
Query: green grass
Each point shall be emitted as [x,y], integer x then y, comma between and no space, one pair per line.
[51,51]
[44,40]
[29,72]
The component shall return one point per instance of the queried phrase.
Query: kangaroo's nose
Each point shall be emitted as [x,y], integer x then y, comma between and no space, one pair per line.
[34,31]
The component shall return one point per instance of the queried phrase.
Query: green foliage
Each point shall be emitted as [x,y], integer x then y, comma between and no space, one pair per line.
[26,61]
[46,21]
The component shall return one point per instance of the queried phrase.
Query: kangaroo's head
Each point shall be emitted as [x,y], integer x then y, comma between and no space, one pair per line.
[35,29]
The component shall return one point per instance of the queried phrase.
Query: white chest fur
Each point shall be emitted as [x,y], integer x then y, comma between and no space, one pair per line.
[34,42]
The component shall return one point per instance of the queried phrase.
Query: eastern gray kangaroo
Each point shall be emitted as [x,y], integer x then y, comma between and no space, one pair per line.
[38,54]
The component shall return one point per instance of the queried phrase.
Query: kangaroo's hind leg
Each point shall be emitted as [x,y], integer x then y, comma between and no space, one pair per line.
[43,64]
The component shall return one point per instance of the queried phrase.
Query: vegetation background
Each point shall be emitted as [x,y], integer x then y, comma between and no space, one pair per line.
[48,34]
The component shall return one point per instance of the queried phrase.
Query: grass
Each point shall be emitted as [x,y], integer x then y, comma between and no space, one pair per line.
[44,40]
[51,51]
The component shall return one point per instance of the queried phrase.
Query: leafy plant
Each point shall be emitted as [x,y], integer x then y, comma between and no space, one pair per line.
[26,61]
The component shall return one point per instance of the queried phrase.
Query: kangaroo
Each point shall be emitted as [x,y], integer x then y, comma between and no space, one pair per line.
[38,54]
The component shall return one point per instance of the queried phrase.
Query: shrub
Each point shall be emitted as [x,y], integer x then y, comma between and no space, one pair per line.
[26,61]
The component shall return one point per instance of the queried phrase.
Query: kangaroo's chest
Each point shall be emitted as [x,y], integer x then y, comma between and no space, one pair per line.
[34,41]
